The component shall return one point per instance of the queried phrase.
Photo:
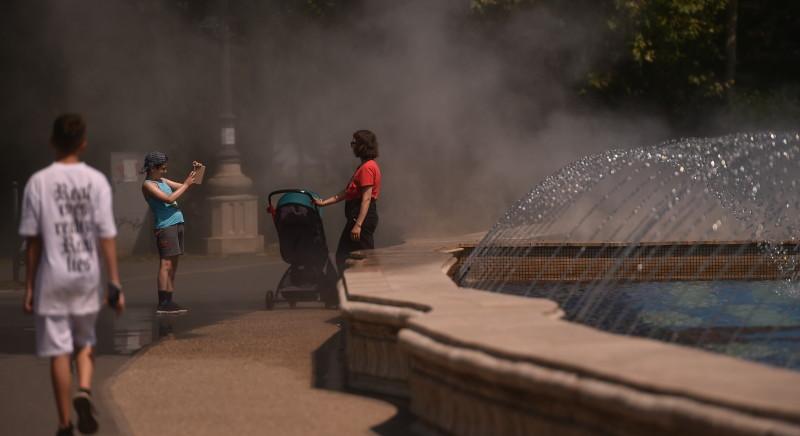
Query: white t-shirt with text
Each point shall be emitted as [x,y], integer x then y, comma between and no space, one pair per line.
[69,206]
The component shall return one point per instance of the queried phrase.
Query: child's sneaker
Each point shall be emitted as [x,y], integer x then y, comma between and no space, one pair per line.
[66,431]
[87,422]
[170,308]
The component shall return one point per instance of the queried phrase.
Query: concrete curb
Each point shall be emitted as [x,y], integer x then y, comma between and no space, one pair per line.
[111,407]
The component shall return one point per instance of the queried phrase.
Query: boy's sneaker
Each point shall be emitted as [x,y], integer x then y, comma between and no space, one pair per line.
[66,431]
[87,422]
[170,308]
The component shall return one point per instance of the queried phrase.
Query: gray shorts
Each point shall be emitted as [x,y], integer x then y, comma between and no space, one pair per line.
[169,240]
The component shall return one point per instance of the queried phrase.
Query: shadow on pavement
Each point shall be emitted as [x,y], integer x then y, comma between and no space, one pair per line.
[328,372]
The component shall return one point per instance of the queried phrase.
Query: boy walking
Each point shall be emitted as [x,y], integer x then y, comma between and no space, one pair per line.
[66,216]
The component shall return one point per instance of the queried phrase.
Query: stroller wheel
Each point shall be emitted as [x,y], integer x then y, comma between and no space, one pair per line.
[270,300]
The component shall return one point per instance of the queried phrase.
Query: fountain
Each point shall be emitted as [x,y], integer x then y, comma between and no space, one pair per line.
[693,241]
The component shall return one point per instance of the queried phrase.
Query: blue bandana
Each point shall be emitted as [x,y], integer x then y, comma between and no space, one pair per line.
[153,159]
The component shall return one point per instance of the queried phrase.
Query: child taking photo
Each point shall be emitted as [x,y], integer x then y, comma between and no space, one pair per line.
[161,195]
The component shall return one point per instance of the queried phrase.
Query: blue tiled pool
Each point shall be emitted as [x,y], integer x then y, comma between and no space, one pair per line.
[755,320]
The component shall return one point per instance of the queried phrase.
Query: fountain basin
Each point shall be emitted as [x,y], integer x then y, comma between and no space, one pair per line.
[472,362]
[732,297]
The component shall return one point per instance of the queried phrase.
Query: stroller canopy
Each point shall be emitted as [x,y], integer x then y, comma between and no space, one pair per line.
[300,232]
[298,198]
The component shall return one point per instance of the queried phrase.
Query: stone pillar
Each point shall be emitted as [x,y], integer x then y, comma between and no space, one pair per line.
[233,207]
[234,225]
[234,212]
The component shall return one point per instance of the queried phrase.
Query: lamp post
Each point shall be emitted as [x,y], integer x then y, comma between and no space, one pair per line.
[234,208]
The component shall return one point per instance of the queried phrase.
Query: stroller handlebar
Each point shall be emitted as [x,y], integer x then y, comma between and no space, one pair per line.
[271,209]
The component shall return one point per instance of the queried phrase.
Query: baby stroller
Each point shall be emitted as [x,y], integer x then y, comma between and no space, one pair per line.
[311,275]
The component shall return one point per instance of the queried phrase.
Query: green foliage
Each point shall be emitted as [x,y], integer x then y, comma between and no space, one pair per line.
[673,51]
[668,52]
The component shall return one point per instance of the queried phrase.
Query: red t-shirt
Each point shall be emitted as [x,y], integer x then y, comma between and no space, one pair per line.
[368,174]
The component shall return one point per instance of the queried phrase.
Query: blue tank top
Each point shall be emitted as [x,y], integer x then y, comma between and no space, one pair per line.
[164,214]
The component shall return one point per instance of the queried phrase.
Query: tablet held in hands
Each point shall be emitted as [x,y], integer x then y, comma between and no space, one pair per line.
[199,172]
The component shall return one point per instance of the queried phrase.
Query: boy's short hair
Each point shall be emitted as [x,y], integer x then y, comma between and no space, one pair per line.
[69,132]
[365,144]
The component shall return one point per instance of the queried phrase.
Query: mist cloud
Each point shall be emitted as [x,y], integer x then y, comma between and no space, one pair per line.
[469,116]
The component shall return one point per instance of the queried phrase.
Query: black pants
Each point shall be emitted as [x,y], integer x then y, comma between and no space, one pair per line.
[367,241]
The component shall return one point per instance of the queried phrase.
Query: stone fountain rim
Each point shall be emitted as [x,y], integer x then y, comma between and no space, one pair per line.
[426,285]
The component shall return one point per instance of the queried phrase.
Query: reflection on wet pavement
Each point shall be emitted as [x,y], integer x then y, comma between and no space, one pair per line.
[141,326]
[205,288]
[133,331]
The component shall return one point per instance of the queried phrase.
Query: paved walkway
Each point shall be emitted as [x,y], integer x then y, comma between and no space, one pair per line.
[262,373]
[227,364]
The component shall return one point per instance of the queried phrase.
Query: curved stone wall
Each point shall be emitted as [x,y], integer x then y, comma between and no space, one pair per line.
[474,363]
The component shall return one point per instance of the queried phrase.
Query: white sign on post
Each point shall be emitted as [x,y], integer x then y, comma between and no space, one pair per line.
[228,136]
[130,170]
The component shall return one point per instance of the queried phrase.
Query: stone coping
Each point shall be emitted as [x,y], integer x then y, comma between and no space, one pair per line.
[526,243]
[517,336]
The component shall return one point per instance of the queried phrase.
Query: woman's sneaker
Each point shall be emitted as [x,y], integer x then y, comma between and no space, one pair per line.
[170,308]
[87,422]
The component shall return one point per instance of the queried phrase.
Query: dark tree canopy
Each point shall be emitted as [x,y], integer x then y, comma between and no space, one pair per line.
[675,53]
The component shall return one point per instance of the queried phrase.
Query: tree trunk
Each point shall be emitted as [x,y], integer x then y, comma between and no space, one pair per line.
[730,48]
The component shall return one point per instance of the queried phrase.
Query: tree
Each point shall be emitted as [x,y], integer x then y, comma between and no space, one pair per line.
[672,51]
[730,47]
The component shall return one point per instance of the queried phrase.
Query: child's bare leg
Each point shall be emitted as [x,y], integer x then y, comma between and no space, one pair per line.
[85,362]
[62,381]
[172,273]
[164,274]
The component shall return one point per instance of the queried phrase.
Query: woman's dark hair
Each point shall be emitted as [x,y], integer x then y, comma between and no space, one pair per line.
[69,132]
[365,145]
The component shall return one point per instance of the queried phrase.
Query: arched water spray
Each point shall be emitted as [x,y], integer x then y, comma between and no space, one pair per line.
[693,241]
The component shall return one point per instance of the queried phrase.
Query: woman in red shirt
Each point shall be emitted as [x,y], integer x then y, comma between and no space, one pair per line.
[360,197]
